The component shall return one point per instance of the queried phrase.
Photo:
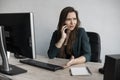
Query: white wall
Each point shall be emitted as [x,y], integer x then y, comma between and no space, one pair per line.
[102,16]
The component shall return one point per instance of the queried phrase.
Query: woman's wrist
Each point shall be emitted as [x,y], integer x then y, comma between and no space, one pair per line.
[60,43]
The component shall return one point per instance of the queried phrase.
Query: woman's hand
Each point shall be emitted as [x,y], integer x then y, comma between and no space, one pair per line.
[70,63]
[74,61]
[63,32]
[63,37]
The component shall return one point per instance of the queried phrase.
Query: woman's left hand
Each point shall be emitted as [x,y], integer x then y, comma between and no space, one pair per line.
[68,64]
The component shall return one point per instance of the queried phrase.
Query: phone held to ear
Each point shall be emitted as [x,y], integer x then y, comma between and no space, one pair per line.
[66,30]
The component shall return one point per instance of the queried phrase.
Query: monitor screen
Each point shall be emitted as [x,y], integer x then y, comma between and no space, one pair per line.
[19,33]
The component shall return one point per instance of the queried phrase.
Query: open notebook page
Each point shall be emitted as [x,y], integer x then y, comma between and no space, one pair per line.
[80,71]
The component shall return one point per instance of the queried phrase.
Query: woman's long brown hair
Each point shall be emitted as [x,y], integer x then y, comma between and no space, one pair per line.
[72,37]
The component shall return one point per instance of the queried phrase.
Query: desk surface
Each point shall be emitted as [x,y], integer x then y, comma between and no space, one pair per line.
[35,73]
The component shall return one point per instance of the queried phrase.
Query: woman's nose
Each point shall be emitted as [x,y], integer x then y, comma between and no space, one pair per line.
[72,21]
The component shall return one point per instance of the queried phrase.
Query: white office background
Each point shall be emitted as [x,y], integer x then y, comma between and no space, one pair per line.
[101,16]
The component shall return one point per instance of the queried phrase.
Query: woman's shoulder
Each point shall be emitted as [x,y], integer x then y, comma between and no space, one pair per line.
[81,29]
[55,31]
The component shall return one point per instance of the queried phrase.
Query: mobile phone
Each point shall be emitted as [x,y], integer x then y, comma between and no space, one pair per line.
[66,30]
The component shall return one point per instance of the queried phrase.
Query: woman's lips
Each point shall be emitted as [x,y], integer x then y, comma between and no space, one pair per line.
[71,27]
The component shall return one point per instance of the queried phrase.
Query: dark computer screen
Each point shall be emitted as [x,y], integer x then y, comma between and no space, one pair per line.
[19,33]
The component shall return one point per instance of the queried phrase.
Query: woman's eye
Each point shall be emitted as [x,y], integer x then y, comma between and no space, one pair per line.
[68,19]
[74,18]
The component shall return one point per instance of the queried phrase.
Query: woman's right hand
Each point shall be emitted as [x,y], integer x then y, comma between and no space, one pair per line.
[63,36]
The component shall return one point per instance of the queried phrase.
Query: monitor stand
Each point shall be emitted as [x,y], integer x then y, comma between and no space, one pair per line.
[6,68]
[14,70]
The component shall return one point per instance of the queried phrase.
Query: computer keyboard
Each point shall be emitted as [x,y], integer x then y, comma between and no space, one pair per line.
[44,65]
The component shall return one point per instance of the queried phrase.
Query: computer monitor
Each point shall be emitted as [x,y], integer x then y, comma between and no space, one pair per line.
[19,33]
[17,36]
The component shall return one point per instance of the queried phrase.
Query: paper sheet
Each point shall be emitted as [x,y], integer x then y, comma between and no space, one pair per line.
[80,71]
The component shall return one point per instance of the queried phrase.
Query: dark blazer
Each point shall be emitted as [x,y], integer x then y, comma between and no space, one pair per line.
[81,47]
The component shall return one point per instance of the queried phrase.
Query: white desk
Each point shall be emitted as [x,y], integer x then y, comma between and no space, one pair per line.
[35,73]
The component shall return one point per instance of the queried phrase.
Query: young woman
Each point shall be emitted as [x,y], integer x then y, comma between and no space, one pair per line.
[69,40]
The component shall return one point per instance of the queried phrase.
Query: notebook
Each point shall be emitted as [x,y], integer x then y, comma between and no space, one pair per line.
[80,71]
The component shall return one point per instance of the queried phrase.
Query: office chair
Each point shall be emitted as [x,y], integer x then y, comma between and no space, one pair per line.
[95,44]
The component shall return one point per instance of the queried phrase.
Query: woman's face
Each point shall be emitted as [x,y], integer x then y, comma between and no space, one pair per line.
[71,20]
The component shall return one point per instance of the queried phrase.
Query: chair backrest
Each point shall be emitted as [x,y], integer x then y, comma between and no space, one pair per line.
[95,44]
